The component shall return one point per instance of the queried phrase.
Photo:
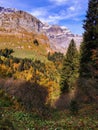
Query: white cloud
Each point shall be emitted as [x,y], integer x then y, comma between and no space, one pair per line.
[71,12]
[5,3]
[72,8]
[59,2]
[45,14]
[39,12]
[13,4]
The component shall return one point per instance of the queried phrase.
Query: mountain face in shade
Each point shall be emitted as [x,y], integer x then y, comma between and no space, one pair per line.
[14,21]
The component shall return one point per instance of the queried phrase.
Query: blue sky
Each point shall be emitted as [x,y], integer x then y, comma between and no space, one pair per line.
[69,13]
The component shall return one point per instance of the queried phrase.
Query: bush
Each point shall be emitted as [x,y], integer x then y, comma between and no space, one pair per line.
[30,95]
[87,90]
[36,42]
[6,124]
[74,107]
[5,100]
[6,52]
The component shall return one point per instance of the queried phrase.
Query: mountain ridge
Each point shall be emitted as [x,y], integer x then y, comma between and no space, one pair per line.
[13,21]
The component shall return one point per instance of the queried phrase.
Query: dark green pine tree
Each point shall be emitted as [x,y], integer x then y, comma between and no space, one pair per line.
[90,40]
[70,67]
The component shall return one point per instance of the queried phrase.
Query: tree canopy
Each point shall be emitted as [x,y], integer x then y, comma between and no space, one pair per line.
[70,68]
[89,47]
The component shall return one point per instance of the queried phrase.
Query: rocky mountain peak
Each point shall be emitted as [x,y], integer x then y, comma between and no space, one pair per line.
[7,10]
[17,20]
[60,37]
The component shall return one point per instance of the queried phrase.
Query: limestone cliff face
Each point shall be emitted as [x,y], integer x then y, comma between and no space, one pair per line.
[13,21]
[60,37]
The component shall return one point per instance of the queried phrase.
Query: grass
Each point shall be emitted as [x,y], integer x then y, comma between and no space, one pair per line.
[50,119]
[31,54]
[24,48]
[53,120]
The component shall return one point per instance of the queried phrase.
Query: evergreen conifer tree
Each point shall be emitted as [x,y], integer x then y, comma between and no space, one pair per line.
[70,68]
[89,47]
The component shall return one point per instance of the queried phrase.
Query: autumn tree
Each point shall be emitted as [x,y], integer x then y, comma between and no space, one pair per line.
[70,68]
[21,66]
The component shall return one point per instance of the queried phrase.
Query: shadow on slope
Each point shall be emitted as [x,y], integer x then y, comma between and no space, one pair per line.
[31,96]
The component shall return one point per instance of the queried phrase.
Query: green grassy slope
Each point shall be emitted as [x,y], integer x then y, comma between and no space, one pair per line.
[25,47]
